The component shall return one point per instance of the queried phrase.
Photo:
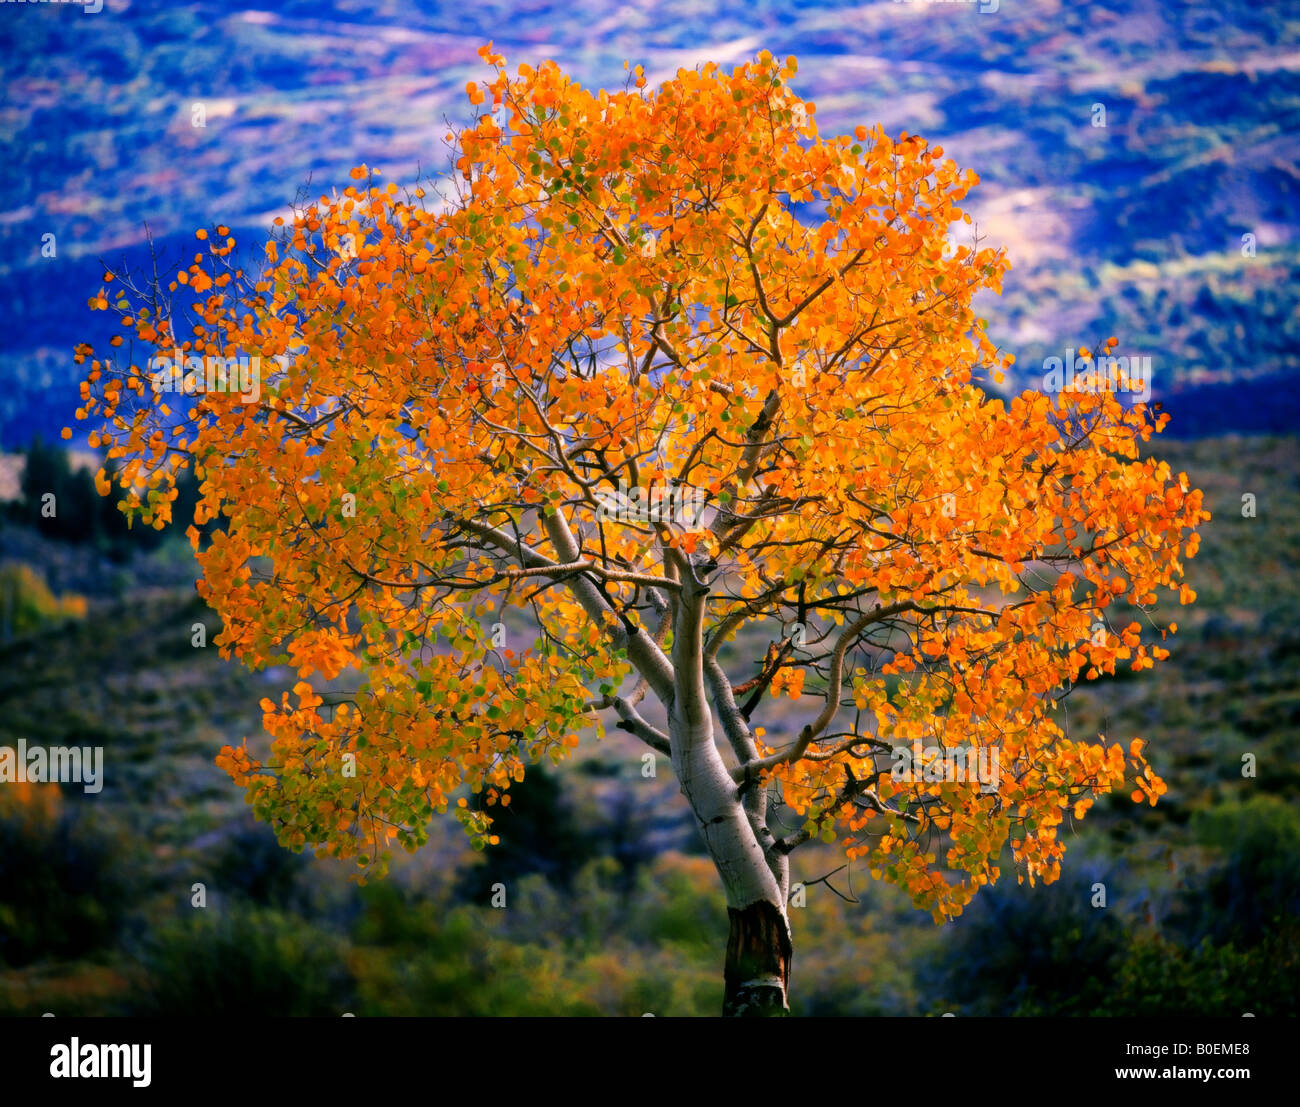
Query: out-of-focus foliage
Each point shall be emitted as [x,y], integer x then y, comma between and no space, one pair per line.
[244,962]
[26,601]
[64,883]
[58,500]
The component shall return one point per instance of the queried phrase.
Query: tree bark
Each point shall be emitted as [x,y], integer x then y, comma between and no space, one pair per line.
[757,972]
[758,950]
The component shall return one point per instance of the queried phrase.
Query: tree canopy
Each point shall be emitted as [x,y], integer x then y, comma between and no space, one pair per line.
[688,289]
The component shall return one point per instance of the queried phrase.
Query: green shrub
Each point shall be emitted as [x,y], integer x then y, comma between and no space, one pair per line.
[65,884]
[1158,978]
[246,961]
[1257,885]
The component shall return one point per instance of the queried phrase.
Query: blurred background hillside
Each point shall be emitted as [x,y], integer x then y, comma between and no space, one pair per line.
[1173,226]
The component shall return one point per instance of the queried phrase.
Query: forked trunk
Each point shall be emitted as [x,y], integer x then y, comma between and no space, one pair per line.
[757,972]
[758,948]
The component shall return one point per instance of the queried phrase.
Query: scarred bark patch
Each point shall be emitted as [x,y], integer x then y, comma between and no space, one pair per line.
[758,962]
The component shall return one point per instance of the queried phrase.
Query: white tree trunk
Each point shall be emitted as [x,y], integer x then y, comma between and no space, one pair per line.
[758,949]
